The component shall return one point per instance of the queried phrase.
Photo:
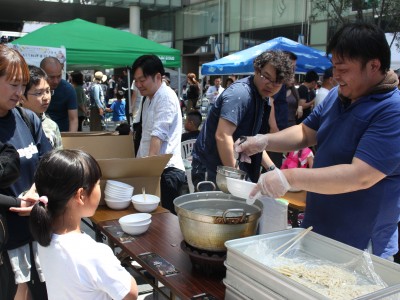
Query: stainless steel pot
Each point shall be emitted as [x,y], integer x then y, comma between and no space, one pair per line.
[223,172]
[209,219]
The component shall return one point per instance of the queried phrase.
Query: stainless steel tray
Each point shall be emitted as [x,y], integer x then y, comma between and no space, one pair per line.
[233,294]
[248,287]
[314,245]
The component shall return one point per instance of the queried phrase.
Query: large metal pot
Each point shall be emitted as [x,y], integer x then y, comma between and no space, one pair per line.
[223,172]
[209,219]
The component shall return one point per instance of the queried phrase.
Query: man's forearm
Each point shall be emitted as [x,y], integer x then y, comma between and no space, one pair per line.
[155,146]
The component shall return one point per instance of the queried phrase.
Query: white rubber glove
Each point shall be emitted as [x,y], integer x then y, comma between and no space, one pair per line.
[299,112]
[272,184]
[253,145]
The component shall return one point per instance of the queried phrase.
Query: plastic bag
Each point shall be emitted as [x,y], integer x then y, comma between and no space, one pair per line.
[274,215]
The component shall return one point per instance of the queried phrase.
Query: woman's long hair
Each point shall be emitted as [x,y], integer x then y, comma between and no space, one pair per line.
[192,78]
[58,177]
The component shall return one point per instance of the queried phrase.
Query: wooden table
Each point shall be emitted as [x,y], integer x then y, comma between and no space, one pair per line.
[297,204]
[164,237]
[104,213]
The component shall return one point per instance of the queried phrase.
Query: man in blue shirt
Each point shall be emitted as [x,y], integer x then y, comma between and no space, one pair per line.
[354,186]
[238,111]
[63,108]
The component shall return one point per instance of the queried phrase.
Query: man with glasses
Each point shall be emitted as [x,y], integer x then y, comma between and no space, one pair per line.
[239,111]
[161,125]
[63,108]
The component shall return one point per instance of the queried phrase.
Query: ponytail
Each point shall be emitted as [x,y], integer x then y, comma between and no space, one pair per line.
[40,224]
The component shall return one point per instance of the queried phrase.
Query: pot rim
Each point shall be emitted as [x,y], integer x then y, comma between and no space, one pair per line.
[217,196]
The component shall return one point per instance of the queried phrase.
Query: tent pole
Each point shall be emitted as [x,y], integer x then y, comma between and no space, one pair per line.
[179,83]
[128,72]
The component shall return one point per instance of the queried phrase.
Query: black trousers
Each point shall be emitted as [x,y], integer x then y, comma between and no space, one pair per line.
[172,180]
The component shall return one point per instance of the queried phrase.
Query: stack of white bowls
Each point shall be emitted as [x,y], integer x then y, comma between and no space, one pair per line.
[117,194]
[135,224]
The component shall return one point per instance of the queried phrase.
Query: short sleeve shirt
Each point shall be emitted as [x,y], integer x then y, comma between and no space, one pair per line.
[63,100]
[239,104]
[369,130]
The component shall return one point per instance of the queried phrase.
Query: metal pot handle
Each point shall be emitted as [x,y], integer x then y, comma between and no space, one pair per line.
[205,182]
[234,210]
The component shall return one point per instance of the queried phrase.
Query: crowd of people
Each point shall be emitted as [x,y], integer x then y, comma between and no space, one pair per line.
[337,139]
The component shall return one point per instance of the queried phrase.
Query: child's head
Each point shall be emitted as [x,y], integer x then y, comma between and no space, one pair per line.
[70,181]
[37,94]
[119,95]
[193,121]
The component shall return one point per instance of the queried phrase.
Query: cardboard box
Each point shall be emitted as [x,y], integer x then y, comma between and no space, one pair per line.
[138,172]
[101,145]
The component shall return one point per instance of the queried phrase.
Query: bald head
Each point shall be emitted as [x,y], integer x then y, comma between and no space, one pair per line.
[53,69]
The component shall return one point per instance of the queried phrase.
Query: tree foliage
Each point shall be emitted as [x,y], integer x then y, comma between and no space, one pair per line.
[384,13]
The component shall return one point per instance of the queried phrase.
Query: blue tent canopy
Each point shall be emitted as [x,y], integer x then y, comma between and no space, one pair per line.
[242,62]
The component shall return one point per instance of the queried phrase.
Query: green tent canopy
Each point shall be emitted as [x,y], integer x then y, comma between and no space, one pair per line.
[90,46]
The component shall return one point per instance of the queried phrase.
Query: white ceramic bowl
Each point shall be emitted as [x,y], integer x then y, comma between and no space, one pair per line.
[125,193]
[109,189]
[118,184]
[138,218]
[148,205]
[135,229]
[239,188]
[117,205]
[117,198]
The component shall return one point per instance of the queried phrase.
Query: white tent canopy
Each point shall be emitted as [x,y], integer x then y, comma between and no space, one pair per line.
[395,58]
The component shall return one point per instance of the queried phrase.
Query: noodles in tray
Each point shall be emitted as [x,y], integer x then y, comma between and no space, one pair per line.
[330,281]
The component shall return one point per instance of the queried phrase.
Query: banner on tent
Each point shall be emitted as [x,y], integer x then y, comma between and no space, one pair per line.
[34,54]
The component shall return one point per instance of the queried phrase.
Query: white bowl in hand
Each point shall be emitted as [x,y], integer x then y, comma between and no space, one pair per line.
[239,187]
[145,205]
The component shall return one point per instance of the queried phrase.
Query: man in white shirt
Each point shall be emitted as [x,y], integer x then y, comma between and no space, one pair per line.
[214,91]
[161,125]
[327,84]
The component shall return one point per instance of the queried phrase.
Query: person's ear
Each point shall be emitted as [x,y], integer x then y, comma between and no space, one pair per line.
[80,196]
[375,65]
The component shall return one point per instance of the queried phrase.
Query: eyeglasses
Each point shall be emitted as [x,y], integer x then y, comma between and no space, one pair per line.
[42,93]
[266,79]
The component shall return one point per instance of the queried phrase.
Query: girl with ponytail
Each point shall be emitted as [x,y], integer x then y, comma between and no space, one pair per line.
[74,265]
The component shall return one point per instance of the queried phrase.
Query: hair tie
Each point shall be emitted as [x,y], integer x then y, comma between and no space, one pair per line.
[43,200]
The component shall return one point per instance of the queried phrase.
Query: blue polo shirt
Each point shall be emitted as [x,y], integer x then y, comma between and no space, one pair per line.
[240,104]
[369,130]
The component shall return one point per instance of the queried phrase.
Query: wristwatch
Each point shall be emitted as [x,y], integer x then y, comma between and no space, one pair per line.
[271,168]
